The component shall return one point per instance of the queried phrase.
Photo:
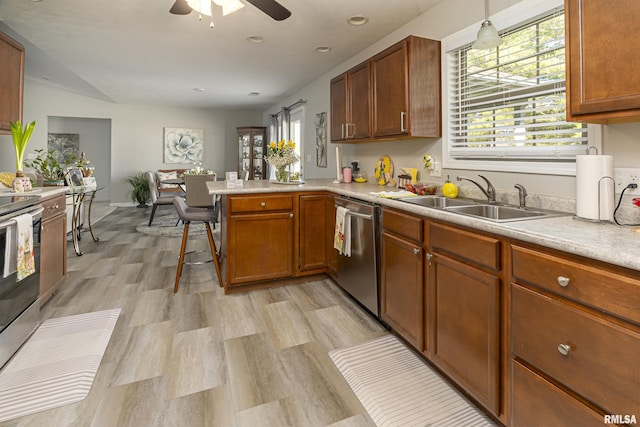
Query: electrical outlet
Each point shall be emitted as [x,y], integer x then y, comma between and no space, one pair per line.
[437,169]
[624,177]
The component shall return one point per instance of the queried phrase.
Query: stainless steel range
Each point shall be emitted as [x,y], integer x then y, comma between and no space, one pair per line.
[19,306]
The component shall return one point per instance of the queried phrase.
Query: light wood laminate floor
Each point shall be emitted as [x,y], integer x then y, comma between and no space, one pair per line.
[200,358]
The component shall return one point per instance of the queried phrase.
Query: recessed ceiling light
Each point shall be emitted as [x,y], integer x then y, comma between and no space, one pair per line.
[254,93]
[358,20]
[255,39]
[323,49]
[199,89]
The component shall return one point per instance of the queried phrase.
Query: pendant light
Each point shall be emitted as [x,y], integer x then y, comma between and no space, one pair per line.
[487,35]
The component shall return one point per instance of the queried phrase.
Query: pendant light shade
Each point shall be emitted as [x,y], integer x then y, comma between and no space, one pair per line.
[487,37]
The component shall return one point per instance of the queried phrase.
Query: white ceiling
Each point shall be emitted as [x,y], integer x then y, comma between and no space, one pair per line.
[136,52]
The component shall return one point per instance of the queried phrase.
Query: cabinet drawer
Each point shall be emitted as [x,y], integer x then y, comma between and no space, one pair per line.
[602,359]
[537,402]
[614,293]
[467,246]
[402,224]
[261,203]
[53,206]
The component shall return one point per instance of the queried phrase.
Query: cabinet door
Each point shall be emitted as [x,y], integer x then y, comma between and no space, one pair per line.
[390,91]
[53,256]
[313,234]
[260,247]
[244,155]
[338,107]
[11,82]
[332,253]
[359,104]
[464,321]
[402,287]
[603,78]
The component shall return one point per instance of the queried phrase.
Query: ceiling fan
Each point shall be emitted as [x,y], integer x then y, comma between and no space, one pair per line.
[270,7]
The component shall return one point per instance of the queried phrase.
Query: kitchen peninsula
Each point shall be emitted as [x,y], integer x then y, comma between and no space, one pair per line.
[479,288]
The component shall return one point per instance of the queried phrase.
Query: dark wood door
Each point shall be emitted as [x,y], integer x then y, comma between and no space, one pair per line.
[53,249]
[359,104]
[260,247]
[402,287]
[332,253]
[465,321]
[313,233]
[338,119]
[603,78]
[389,71]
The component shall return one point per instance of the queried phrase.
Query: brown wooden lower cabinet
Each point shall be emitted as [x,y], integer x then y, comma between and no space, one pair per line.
[53,246]
[537,402]
[260,247]
[402,287]
[465,324]
[312,239]
[332,253]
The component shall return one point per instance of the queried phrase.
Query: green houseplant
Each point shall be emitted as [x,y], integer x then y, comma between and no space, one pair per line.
[21,138]
[140,191]
[46,165]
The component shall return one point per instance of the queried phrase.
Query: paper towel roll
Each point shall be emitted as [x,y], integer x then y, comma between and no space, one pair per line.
[590,169]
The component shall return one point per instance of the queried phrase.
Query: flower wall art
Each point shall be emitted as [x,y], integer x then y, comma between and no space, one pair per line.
[183,145]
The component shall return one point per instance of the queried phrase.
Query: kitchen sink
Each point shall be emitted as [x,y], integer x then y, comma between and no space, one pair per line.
[438,202]
[501,213]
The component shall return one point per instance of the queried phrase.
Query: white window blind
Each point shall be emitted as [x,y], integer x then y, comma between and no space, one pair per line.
[508,103]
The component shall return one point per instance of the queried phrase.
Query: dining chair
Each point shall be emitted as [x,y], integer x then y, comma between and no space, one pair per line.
[156,198]
[188,215]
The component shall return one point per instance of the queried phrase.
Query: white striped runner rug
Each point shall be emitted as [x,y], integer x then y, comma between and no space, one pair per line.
[57,364]
[397,388]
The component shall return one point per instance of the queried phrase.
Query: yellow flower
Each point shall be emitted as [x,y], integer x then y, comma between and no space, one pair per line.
[280,144]
[272,144]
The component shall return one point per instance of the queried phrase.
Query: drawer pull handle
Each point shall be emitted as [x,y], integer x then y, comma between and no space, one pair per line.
[564,349]
[416,251]
[563,281]
[263,204]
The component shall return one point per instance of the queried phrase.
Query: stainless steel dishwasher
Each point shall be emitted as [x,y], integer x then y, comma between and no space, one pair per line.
[359,273]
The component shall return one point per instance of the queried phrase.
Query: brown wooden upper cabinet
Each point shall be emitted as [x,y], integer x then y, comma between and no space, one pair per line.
[11,82]
[351,104]
[603,83]
[394,95]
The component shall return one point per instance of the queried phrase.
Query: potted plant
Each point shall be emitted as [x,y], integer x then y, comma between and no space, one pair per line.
[21,137]
[46,165]
[140,191]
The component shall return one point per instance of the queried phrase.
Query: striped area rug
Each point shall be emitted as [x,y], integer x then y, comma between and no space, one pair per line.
[398,389]
[57,365]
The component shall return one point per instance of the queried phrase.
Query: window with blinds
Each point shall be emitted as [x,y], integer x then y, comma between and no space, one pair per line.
[508,103]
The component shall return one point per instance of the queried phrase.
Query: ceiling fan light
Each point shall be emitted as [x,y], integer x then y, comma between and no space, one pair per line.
[231,6]
[201,6]
[488,37]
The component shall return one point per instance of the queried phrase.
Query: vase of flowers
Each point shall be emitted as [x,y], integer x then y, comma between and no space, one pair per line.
[282,155]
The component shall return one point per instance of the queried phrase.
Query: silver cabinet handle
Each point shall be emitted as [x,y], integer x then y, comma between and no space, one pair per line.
[263,204]
[416,251]
[563,281]
[564,349]
[402,117]
[342,130]
[290,215]
[429,256]
[353,130]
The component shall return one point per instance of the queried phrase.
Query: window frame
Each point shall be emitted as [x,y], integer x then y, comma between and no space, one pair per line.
[514,16]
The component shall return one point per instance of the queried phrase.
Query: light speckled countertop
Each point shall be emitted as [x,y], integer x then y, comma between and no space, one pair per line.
[604,242]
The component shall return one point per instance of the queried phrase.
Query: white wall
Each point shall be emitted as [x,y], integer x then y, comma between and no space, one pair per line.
[136,132]
[445,18]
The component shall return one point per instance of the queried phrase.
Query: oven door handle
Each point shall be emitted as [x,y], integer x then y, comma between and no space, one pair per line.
[10,222]
[358,215]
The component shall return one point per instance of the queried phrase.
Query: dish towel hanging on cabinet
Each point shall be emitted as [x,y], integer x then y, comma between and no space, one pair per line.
[342,236]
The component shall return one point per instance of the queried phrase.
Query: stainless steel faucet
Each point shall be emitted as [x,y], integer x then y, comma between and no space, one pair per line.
[522,194]
[490,192]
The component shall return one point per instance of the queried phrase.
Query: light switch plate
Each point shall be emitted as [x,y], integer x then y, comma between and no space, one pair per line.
[624,177]
[437,170]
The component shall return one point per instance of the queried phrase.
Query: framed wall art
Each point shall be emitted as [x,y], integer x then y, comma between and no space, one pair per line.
[183,145]
[321,140]
[66,145]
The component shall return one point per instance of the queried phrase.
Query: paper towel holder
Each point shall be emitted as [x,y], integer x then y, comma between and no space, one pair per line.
[588,150]
[599,220]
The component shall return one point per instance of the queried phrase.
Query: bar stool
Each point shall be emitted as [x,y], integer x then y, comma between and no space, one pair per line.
[188,215]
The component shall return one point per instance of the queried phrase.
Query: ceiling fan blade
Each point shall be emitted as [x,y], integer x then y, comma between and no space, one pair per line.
[180,7]
[272,8]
